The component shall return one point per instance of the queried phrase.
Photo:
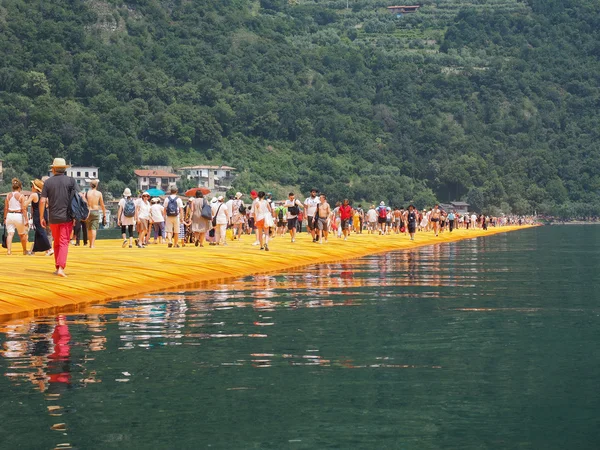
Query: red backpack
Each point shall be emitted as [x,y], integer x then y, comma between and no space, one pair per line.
[382,212]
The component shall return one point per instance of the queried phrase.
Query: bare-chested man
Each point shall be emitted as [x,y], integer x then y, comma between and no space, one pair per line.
[95,204]
[323,212]
[435,219]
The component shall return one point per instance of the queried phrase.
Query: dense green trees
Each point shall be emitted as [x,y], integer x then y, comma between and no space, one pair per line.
[494,102]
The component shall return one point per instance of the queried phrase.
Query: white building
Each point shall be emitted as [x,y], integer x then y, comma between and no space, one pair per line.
[159,179]
[83,175]
[212,177]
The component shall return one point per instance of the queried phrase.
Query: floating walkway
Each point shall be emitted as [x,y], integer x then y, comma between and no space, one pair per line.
[108,272]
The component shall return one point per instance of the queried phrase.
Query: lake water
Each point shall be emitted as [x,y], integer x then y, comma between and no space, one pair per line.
[488,343]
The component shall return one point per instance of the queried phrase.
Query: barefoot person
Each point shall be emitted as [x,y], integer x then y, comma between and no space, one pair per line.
[56,193]
[323,213]
[97,211]
[412,218]
[142,219]
[435,219]
[292,207]
[262,209]
[15,216]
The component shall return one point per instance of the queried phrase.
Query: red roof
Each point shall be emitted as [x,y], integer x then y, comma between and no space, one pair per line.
[155,173]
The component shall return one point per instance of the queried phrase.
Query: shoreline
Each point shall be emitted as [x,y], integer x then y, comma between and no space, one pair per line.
[108,272]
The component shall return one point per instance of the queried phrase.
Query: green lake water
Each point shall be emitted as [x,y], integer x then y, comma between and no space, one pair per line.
[485,343]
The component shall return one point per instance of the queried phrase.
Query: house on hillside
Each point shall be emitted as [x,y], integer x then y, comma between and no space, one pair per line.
[459,207]
[159,179]
[218,178]
[401,10]
[83,175]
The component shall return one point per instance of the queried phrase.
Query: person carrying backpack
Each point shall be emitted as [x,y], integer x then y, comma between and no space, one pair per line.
[174,211]
[292,207]
[382,217]
[126,217]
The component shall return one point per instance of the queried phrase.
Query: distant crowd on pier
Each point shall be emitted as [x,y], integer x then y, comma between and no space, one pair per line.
[178,221]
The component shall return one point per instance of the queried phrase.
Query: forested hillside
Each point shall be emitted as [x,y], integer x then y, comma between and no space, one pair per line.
[492,101]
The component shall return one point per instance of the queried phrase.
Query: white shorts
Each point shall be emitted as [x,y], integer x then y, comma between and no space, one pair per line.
[14,221]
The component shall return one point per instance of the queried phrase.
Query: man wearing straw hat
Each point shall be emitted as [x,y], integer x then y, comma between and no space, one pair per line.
[56,193]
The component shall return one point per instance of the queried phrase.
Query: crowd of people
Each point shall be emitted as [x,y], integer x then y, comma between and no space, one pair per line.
[198,220]
[179,221]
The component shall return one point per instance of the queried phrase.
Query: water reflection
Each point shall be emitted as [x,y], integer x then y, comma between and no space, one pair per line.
[55,356]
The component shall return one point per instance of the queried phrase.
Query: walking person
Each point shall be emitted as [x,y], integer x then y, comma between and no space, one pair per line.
[157,219]
[95,202]
[126,217]
[57,193]
[41,243]
[310,209]
[142,219]
[200,221]
[174,212]
[264,219]
[451,219]
[220,220]
[15,216]
[238,213]
[346,218]
[412,219]
[293,207]
[322,218]
[80,229]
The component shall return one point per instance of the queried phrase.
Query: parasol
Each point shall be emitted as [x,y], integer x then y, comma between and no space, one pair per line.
[192,192]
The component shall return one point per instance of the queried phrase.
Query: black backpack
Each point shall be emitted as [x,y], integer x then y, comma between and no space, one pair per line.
[280,214]
[78,207]
[242,210]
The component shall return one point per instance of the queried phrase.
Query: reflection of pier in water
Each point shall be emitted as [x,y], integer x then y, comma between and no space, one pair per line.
[249,309]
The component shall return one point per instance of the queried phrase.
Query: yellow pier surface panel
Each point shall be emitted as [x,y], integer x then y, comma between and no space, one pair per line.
[29,288]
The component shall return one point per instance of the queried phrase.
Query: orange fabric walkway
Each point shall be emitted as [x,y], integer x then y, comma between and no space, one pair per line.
[28,287]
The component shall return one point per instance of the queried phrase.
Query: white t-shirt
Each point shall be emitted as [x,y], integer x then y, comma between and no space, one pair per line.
[144,209]
[179,203]
[156,212]
[289,203]
[473,218]
[253,207]
[125,220]
[311,206]
[229,205]
[219,211]
[372,215]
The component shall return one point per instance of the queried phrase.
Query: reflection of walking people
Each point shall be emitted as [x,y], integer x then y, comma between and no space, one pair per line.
[57,193]
[41,243]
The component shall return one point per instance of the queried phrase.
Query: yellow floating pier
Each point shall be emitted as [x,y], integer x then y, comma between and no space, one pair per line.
[107,272]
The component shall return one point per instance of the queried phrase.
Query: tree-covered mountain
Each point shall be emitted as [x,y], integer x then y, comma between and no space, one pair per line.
[491,101]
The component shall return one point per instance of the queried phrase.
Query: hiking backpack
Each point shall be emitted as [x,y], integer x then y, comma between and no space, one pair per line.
[172,209]
[129,208]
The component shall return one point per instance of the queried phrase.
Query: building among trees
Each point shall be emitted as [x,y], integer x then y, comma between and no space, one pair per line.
[218,178]
[83,175]
[155,178]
